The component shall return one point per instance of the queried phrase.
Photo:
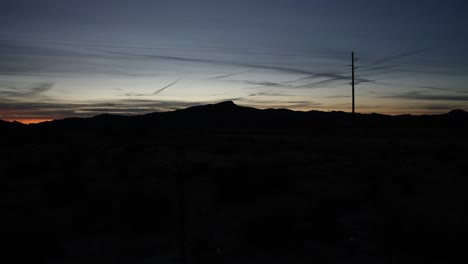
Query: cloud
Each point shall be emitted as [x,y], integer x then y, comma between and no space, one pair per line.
[424,96]
[269,94]
[391,65]
[330,75]
[290,70]
[267,84]
[291,104]
[12,109]
[35,90]
[29,59]
[445,107]
[29,102]
[338,96]
[66,63]
[79,62]
[14,47]
[319,83]
[435,88]
[378,68]
[328,78]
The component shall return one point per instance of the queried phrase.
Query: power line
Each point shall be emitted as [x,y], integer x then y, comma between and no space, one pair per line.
[154,44]
[407,62]
[144,57]
[425,63]
[229,50]
[171,49]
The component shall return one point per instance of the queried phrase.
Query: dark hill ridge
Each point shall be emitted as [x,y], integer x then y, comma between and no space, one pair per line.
[229,184]
[458,112]
[228,115]
[13,124]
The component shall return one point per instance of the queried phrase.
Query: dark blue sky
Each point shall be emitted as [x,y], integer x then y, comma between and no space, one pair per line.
[79,58]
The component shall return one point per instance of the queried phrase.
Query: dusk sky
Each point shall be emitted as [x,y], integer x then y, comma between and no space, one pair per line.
[64,58]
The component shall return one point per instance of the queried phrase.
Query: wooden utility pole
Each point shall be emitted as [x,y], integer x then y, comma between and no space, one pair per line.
[352,81]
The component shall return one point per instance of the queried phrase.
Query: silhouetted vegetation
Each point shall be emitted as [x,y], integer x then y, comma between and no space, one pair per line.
[260,186]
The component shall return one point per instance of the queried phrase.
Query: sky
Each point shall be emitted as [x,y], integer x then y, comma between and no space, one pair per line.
[68,58]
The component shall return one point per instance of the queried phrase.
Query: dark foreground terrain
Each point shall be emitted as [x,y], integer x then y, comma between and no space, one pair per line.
[227,184]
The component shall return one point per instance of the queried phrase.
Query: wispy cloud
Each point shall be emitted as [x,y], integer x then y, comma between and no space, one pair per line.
[444,107]
[424,96]
[338,96]
[290,70]
[53,61]
[326,78]
[376,68]
[11,109]
[319,84]
[270,94]
[291,104]
[268,84]
[401,85]
[32,91]
[28,59]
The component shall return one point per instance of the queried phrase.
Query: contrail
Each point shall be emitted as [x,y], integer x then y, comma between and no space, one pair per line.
[229,75]
[155,92]
[164,88]
[398,56]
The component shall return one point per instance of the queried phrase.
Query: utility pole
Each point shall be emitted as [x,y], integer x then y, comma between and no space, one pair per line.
[352,81]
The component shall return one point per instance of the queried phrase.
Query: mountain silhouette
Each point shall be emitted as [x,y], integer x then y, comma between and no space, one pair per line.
[458,113]
[228,115]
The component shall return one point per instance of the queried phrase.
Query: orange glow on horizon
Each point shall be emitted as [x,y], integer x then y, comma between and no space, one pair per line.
[28,121]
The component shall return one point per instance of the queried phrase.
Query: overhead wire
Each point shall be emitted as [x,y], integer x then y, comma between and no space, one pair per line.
[171,49]
[392,68]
